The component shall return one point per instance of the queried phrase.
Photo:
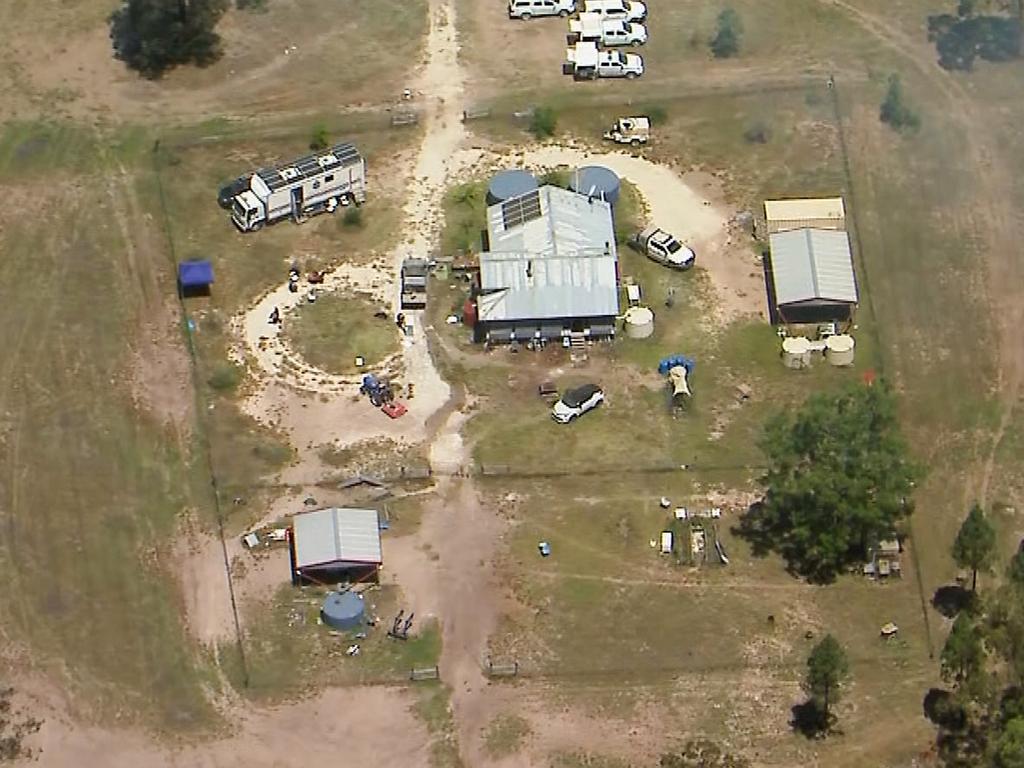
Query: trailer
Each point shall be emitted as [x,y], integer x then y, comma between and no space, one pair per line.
[307,186]
[596,28]
[585,61]
[414,283]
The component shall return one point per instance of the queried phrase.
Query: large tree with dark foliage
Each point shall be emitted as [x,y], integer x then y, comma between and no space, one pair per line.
[837,482]
[975,544]
[827,671]
[962,38]
[153,36]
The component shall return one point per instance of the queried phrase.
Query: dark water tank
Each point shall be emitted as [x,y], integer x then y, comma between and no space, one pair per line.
[343,610]
[596,181]
[509,184]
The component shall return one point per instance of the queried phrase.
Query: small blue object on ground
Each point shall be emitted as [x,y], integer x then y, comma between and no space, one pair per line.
[668,363]
[544,548]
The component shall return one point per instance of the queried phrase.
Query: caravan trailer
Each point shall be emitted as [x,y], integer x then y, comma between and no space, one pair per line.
[307,186]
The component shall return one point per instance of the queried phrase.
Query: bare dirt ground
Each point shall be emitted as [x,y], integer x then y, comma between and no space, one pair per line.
[372,725]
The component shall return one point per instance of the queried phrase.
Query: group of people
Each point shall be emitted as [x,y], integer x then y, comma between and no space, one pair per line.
[293,287]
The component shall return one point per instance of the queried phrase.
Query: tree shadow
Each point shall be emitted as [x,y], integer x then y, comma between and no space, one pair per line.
[951,599]
[751,528]
[763,539]
[810,721]
[941,707]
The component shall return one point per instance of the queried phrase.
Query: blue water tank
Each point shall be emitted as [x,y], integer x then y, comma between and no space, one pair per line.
[343,610]
[508,184]
[596,181]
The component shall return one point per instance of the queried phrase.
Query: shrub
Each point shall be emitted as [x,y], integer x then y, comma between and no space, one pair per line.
[353,217]
[319,138]
[225,377]
[894,110]
[758,132]
[544,122]
[726,42]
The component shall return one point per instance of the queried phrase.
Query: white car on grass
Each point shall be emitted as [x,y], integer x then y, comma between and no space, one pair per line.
[661,247]
[576,402]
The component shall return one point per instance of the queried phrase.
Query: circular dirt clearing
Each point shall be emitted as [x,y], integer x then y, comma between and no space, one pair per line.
[331,332]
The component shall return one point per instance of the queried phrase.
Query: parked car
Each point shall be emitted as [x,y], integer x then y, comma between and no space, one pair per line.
[585,61]
[661,247]
[527,9]
[576,402]
[626,10]
[231,190]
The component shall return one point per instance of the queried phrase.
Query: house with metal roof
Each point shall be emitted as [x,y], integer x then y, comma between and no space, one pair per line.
[335,544]
[812,276]
[816,213]
[550,269]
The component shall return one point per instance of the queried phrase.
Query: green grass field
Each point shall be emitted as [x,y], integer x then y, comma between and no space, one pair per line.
[338,327]
[288,652]
[91,485]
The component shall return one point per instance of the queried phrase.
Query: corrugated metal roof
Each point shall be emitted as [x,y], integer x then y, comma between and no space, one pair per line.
[517,286]
[568,223]
[812,264]
[805,209]
[333,534]
[561,264]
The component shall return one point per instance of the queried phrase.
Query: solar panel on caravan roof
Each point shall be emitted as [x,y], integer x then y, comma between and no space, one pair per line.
[311,165]
[519,210]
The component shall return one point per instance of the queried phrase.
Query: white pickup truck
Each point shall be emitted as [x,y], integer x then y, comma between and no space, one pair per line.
[595,28]
[662,248]
[585,61]
[625,10]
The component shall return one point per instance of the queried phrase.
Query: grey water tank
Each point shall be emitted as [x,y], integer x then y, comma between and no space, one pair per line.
[343,610]
[509,184]
[596,181]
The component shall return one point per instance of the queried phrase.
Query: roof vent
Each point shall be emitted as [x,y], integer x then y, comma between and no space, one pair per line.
[289,173]
[326,160]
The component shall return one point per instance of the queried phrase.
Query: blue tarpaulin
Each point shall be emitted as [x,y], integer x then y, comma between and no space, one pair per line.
[197,273]
[672,361]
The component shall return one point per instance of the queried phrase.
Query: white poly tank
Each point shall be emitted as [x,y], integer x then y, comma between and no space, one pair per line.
[796,352]
[638,322]
[839,349]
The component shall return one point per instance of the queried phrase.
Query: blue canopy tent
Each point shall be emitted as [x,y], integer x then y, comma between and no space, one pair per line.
[195,277]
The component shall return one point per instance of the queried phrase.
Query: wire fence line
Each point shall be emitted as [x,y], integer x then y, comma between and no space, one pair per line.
[875,331]
[200,418]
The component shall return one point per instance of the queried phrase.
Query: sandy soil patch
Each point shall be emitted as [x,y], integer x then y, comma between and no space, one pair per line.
[371,726]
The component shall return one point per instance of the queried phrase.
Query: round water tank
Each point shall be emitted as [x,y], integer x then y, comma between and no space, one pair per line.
[638,322]
[343,610]
[509,184]
[796,352]
[596,181]
[839,349]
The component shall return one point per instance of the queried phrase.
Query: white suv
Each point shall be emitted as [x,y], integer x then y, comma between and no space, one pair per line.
[527,9]
[576,402]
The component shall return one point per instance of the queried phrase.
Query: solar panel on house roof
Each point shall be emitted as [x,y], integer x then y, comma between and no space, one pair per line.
[520,210]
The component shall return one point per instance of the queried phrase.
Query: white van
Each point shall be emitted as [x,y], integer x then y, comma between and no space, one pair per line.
[625,10]
[527,9]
